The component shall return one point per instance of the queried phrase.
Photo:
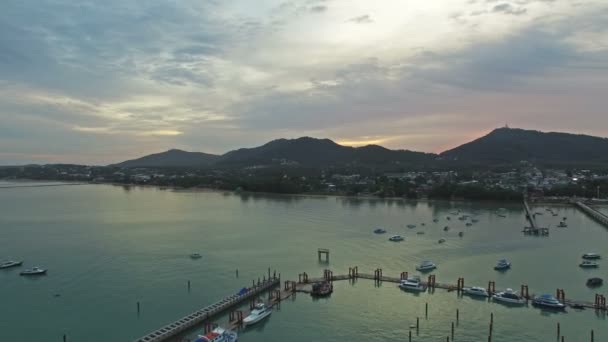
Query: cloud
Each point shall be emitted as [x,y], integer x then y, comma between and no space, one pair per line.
[362,19]
[509,9]
[318,8]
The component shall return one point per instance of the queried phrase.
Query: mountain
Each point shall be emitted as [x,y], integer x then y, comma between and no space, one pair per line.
[171,158]
[509,145]
[319,152]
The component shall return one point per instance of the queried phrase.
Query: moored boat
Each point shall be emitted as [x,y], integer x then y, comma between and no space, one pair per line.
[195,256]
[322,289]
[259,312]
[562,225]
[396,238]
[593,282]
[591,256]
[476,291]
[441,241]
[509,296]
[588,264]
[218,335]
[502,265]
[412,284]
[426,266]
[411,226]
[548,301]
[379,231]
[10,263]
[33,271]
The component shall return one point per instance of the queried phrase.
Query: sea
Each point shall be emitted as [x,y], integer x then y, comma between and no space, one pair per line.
[109,247]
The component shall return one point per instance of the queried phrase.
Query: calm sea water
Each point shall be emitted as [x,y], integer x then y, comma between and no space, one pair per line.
[107,247]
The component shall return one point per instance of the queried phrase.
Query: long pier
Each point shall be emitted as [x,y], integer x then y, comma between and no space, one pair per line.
[596,215]
[531,217]
[200,316]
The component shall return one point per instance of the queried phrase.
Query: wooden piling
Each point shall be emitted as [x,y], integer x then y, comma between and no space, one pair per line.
[457,315]
[410,338]
[558,330]
[426,310]
[138,308]
[591,335]
[452,330]
[417,323]
[65,338]
[188,285]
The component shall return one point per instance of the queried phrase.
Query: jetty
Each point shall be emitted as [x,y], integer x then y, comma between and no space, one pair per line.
[207,313]
[534,229]
[596,215]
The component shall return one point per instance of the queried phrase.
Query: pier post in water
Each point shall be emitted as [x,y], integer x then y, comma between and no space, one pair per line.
[188,285]
[558,330]
[591,335]
[452,330]
[138,309]
[457,315]
[65,338]
[426,310]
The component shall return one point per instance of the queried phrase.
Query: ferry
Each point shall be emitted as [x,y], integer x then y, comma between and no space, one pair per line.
[379,231]
[412,284]
[218,335]
[591,256]
[10,263]
[476,291]
[426,266]
[589,264]
[33,271]
[548,301]
[509,296]
[396,238]
[257,314]
[502,265]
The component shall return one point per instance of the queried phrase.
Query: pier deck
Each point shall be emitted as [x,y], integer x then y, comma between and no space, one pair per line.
[531,217]
[596,215]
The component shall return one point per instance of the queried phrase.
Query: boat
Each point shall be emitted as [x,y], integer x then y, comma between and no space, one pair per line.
[592,282]
[423,224]
[259,312]
[469,224]
[10,263]
[476,291]
[412,284]
[435,220]
[449,218]
[396,238]
[588,264]
[474,220]
[33,271]
[410,226]
[441,241]
[446,228]
[562,225]
[323,289]
[502,264]
[218,335]
[502,215]
[195,256]
[591,256]
[461,234]
[565,218]
[420,233]
[548,301]
[509,296]
[379,231]
[426,266]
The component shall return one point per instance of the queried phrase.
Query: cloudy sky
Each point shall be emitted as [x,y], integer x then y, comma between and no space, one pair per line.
[101,81]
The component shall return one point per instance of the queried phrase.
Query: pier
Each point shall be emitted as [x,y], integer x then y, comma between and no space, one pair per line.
[531,217]
[205,314]
[596,215]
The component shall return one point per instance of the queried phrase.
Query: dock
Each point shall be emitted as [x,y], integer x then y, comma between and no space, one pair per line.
[209,312]
[596,215]
[534,229]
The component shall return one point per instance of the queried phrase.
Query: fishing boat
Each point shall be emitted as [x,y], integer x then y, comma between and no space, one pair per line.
[33,271]
[591,256]
[509,296]
[593,282]
[412,284]
[259,312]
[548,301]
[410,226]
[195,256]
[476,291]
[396,238]
[218,335]
[10,263]
[379,231]
[588,264]
[502,264]
[323,289]
[426,266]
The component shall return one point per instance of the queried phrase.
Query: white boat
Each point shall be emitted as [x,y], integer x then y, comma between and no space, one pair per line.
[396,238]
[502,264]
[10,263]
[257,314]
[426,266]
[548,301]
[218,335]
[591,256]
[476,291]
[589,264]
[509,296]
[412,284]
[33,271]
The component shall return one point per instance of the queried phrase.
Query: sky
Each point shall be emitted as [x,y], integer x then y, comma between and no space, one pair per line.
[97,82]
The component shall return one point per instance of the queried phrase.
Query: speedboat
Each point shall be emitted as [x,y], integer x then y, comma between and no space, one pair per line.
[476,291]
[410,226]
[379,231]
[195,256]
[412,284]
[259,312]
[218,335]
[509,296]
[10,263]
[591,256]
[426,266]
[396,238]
[33,271]
[588,264]
[548,301]
[502,264]
[593,282]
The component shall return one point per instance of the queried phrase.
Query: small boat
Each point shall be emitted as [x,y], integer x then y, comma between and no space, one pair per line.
[426,266]
[323,289]
[33,271]
[474,220]
[554,214]
[412,284]
[593,282]
[396,238]
[446,228]
[469,224]
[423,224]
[589,264]
[562,225]
[462,218]
[449,218]
[195,256]
[502,215]
[538,213]
[441,241]
[259,312]
[591,256]
[218,335]
[548,301]
[435,220]
[379,231]
[509,296]
[564,218]
[410,226]
[10,263]
[502,264]
[476,291]
[420,233]
[461,234]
